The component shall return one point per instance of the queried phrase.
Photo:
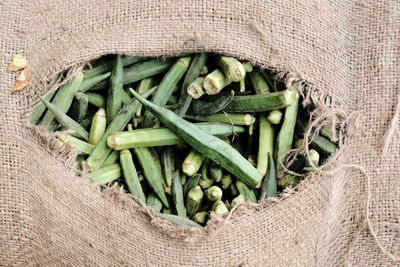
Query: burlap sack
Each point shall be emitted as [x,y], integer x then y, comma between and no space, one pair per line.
[346,55]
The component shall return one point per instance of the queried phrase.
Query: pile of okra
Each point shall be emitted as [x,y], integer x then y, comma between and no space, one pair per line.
[188,135]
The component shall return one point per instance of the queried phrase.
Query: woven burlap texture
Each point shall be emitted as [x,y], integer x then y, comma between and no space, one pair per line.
[346,53]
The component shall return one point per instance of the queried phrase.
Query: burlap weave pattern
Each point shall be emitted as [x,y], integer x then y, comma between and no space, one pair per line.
[347,53]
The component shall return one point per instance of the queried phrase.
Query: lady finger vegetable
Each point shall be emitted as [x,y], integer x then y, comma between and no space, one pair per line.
[235,119]
[66,121]
[130,174]
[191,183]
[177,195]
[192,163]
[154,202]
[98,127]
[269,187]
[246,192]
[265,144]
[193,200]
[220,208]
[106,174]
[206,144]
[213,193]
[82,146]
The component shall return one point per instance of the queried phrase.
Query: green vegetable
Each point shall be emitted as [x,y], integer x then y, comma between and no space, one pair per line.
[242,85]
[111,159]
[105,174]
[285,137]
[101,151]
[236,119]
[265,144]
[231,67]
[66,121]
[82,146]
[62,100]
[237,200]
[198,63]
[205,181]
[298,143]
[246,192]
[258,82]
[220,208]
[213,193]
[96,99]
[247,67]
[167,86]
[198,107]
[314,157]
[149,137]
[204,70]
[269,187]
[154,202]
[193,200]
[177,195]
[143,87]
[208,145]
[264,102]
[179,220]
[152,172]
[233,190]
[216,172]
[90,82]
[195,89]
[214,82]
[191,183]
[98,126]
[107,66]
[201,217]
[115,91]
[192,162]
[130,175]
[226,181]
[326,132]
[168,162]
[269,79]
[275,116]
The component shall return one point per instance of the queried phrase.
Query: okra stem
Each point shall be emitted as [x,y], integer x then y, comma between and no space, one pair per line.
[192,162]
[275,116]
[232,68]
[215,82]
[195,89]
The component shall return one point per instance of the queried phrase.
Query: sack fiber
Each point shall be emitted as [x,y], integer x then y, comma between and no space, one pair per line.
[343,54]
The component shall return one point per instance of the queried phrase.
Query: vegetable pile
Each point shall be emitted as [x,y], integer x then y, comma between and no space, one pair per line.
[200,133]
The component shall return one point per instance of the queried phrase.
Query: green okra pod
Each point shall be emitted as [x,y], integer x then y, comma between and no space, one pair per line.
[191,183]
[247,67]
[96,99]
[154,202]
[288,181]
[205,181]
[107,66]
[66,121]
[269,186]
[152,172]
[275,116]
[167,86]
[62,100]
[245,191]
[208,145]
[130,175]
[263,102]
[196,66]
[265,144]
[258,82]
[195,89]
[237,200]
[226,181]
[111,159]
[88,83]
[216,172]
[214,82]
[220,208]
[149,137]
[101,151]
[231,67]
[284,139]
[235,119]
[105,174]
[79,107]
[202,108]
[193,200]
[185,222]
[204,71]
[98,126]
[192,162]
[168,163]
[143,87]
[82,146]
[213,193]
[201,217]
[114,101]
[177,195]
